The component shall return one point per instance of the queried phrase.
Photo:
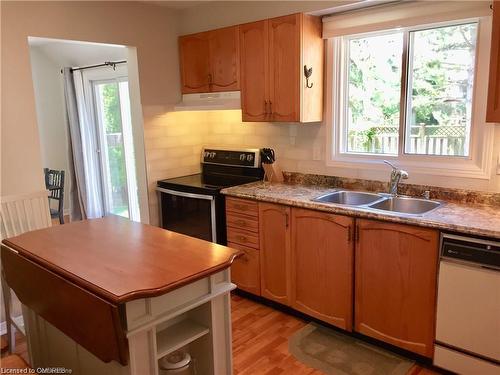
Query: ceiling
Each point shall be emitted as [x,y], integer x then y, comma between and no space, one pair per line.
[177,5]
[73,53]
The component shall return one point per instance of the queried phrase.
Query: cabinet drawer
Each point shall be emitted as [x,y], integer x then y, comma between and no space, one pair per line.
[242,222]
[242,206]
[242,237]
[245,270]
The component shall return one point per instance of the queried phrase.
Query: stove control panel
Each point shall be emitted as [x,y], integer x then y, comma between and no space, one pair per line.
[249,158]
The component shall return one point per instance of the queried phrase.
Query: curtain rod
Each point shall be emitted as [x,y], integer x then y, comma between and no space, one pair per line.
[112,64]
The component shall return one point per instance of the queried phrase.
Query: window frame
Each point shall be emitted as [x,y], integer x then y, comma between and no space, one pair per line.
[478,162]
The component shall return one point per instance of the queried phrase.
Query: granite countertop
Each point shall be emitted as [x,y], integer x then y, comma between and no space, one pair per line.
[475,219]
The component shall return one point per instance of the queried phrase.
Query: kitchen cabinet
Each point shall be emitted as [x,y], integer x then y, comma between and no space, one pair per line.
[245,271]
[284,56]
[224,59]
[274,233]
[395,284]
[254,71]
[322,266]
[194,60]
[242,221]
[210,61]
[273,55]
[493,104]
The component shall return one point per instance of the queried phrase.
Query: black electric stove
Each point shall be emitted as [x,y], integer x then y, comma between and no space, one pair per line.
[193,204]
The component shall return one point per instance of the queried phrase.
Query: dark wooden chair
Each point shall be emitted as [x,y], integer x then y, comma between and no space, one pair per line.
[54,183]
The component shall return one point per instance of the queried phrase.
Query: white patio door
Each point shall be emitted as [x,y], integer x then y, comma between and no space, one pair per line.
[115,144]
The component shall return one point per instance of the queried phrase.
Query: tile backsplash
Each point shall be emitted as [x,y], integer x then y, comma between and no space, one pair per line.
[174,141]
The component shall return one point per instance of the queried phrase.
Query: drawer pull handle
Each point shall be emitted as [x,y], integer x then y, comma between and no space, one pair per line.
[240,207]
[242,238]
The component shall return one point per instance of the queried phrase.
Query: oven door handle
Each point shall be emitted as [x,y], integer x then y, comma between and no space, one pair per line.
[183,194]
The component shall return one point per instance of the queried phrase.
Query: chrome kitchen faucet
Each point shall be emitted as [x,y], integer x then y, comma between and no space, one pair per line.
[396,176]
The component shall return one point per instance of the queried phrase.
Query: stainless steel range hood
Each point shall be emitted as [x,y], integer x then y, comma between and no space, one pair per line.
[210,101]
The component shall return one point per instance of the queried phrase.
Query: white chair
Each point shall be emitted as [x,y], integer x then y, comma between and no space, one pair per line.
[20,214]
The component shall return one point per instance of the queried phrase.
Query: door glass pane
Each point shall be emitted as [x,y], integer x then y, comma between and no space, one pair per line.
[114,158]
[440,87]
[374,91]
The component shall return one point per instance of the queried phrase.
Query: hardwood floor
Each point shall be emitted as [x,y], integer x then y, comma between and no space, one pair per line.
[21,350]
[260,341]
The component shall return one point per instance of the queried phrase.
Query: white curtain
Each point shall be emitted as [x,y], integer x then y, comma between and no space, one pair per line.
[93,200]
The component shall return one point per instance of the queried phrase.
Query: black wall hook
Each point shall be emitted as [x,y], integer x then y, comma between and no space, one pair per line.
[308,73]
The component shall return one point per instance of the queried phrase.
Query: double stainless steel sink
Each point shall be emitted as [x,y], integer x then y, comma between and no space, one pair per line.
[405,206]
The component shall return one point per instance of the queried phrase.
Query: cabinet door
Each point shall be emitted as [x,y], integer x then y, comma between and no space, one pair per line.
[245,270]
[322,266]
[274,229]
[224,52]
[284,71]
[493,108]
[194,59]
[254,71]
[395,268]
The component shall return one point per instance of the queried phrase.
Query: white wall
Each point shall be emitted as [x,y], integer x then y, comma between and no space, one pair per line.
[50,114]
[149,28]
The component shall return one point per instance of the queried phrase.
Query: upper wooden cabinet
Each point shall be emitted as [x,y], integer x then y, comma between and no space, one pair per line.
[273,55]
[254,71]
[195,68]
[322,266]
[493,106]
[284,72]
[274,231]
[224,53]
[210,61]
[395,284]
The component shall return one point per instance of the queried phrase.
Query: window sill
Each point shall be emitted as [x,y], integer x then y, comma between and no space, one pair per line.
[426,165]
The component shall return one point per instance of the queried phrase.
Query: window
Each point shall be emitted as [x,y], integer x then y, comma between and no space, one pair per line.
[408,92]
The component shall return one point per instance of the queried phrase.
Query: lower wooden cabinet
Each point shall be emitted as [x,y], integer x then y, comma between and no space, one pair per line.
[274,231]
[395,284]
[245,271]
[322,266]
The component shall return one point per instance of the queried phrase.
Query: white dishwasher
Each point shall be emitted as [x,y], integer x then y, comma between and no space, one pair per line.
[468,306]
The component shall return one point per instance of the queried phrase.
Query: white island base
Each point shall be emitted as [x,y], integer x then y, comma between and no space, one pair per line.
[196,317]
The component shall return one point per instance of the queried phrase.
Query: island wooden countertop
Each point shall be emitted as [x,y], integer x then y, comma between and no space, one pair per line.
[120,260]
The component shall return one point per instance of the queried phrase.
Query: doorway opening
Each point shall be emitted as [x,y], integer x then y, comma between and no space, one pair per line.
[90,127]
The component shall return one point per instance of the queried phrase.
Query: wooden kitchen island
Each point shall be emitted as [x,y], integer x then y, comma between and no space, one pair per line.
[110,296]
